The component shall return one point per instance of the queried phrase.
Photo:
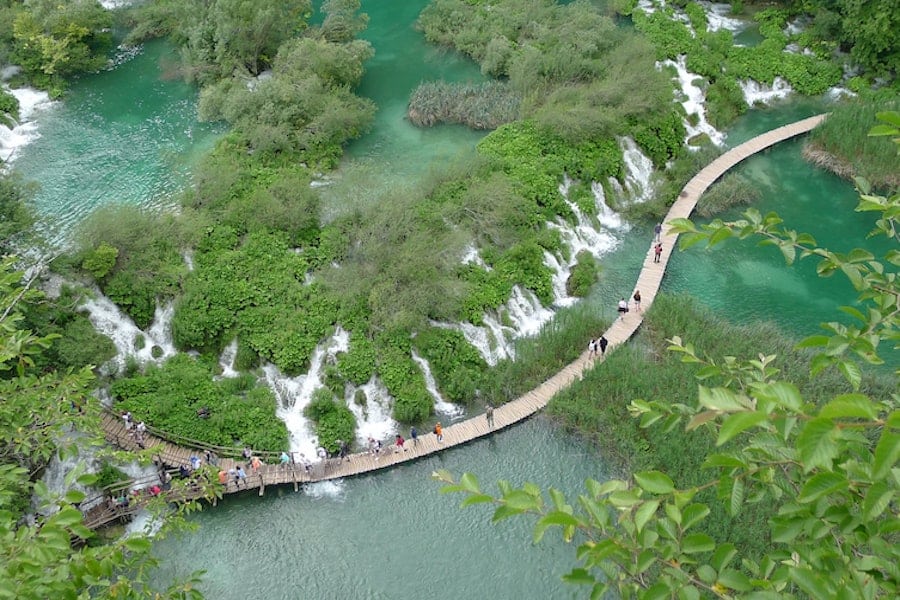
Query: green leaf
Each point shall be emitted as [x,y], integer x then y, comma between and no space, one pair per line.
[738,422]
[654,482]
[783,394]
[659,591]
[645,513]
[476,499]
[878,498]
[850,405]
[723,460]
[810,582]
[623,499]
[887,452]
[851,372]
[504,512]
[707,574]
[469,482]
[521,500]
[735,580]
[722,556]
[813,341]
[74,496]
[692,515]
[736,499]
[697,542]
[720,399]
[579,577]
[138,544]
[821,484]
[816,444]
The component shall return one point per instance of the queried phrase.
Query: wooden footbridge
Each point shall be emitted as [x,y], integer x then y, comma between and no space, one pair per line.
[295,473]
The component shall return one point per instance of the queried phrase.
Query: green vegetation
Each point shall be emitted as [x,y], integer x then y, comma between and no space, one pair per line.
[806,449]
[732,190]
[56,556]
[484,106]
[334,421]
[584,275]
[9,108]
[54,41]
[841,143]
[242,413]
[16,218]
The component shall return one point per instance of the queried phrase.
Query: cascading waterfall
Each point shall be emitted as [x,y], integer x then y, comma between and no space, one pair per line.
[638,171]
[718,17]
[762,93]
[294,393]
[694,103]
[26,129]
[374,419]
[440,405]
[489,340]
[111,322]
[226,360]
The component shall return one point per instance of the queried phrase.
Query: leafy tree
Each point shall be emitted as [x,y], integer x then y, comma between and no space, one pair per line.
[55,40]
[55,556]
[16,218]
[826,464]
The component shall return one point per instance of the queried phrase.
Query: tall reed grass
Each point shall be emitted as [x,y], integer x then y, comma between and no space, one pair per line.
[479,106]
[841,144]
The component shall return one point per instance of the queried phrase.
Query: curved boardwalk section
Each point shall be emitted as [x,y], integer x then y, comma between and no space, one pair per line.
[622,329]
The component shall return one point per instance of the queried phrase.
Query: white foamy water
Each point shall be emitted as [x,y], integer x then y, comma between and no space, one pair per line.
[526,312]
[226,360]
[638,171]
[694,103]
[472,257]
[374,419]
[761,93]
[25,130]
[440,404]
[293,394]
[333,489]
[111,322]
[143,523]
[718,16]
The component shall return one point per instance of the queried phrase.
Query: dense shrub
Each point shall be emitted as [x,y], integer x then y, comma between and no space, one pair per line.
[334,422]
[169,396]
[732,190]
[584,275]
[456,364]
[483,106]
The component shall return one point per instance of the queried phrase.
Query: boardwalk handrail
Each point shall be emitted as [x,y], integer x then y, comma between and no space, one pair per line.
[514,411]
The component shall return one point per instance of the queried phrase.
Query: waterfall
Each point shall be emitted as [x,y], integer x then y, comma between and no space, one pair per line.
[440,405]
[472,257]
[294,393]
[527,313]
[489,340]
[760,93]
[25,130]
[226,360]
[109,320]
[718,17]
[694,103]
[638,171]
[374,419]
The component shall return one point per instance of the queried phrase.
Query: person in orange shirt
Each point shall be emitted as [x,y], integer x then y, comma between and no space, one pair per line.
[439,432]
[254,464]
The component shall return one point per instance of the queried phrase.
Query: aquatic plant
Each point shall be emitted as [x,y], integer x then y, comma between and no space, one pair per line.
[479,106]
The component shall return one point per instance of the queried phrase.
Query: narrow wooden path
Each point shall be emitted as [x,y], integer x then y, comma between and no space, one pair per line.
[620,331]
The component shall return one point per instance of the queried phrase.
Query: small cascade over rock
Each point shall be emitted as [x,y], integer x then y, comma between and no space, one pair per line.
[111,322]
[440,405]
[374,418]
[638,171]
[26,129]
[526,312]
[694,103]
[489,340]
[761,93]
[226,360]
[294,393]
[718,16]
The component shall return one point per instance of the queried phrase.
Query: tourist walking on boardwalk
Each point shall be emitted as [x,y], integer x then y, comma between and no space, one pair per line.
[623,307]
[285,459]
[637,300]
[247,453]
[489,415]
[439,432]
[223,477]
[603,343]
[343,450]
[592,348]
[254,464]
[657,231]
[126,416]
[241,475]
[398,443]
[657,252]
[414,435]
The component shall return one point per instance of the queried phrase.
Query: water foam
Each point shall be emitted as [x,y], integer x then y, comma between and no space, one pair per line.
[694,103]
[374,419]
[111,322]
[293,394]
[762,93]
[440,404]
[25,130]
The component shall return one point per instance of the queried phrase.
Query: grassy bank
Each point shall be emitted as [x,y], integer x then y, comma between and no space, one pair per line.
[597,406]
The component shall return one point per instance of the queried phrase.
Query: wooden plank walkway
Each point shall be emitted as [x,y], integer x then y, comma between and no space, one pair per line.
[620,331]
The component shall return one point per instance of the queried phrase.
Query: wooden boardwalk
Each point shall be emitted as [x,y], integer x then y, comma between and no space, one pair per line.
[620,331]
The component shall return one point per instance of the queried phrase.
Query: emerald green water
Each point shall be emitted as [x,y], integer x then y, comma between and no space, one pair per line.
[129,136]
[121,136]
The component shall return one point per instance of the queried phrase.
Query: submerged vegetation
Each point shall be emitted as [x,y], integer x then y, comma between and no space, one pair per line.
[483,106]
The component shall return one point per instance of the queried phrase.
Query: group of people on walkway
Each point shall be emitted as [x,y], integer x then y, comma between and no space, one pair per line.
[136,430]
[597,347]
